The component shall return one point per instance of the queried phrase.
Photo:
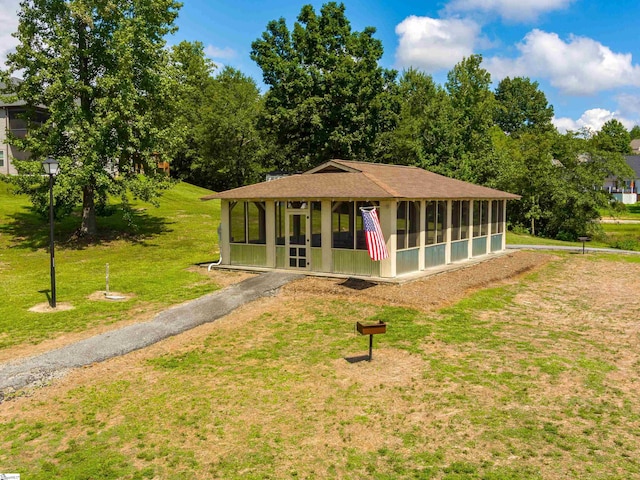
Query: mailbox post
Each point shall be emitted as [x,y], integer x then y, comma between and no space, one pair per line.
[371,330]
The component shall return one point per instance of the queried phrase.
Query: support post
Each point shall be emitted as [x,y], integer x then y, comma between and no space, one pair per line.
[51,244]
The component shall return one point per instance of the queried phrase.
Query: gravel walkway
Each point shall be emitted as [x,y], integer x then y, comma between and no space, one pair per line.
[40,369]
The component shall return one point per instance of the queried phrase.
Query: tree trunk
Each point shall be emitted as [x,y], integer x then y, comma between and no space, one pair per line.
[88,226]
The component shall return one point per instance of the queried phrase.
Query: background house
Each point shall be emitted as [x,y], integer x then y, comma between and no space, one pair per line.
[625,190]
[12,119]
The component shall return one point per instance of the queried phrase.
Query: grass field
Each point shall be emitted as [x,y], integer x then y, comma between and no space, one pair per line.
[149,258]
[623,236]
[631,212]
[535,379]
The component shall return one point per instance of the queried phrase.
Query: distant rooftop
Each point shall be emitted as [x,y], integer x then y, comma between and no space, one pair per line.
[634,162]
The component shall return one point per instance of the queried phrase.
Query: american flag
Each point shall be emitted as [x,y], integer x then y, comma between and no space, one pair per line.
[373,233]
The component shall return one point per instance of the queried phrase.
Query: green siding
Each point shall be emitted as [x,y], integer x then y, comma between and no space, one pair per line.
[435,255]
[407,261]
[249,255]
[280,257]
[354,262]
[459,250]
[316,260]
[496,242]
[479,246]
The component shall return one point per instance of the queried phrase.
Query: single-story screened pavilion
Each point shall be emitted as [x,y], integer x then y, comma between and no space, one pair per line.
[313,221]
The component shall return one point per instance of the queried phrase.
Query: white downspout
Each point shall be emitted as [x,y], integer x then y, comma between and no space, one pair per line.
[215,264]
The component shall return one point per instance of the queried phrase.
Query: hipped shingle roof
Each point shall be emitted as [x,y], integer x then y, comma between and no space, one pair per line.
[343,179]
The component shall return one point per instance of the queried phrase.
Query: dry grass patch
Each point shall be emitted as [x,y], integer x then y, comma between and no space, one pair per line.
[521,380]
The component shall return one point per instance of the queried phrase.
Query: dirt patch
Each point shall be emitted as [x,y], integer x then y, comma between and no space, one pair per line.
[389,367]
[103,296]
[427,293]
[46,307]
[224,278]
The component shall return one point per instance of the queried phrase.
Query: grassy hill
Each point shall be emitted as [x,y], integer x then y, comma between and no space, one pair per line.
[149,254]
[533,377]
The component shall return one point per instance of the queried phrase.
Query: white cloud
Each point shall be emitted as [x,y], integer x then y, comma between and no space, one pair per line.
[432,44]
[8,24]
[514,10]
[629,105]
[591,119]
[216,52]
[580,66]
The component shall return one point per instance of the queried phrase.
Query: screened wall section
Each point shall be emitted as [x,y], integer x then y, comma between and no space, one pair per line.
[328,235]
[480,227]
[497,225]
[247,233]
[349,253]
[459,230]
[407,237]
[435,234]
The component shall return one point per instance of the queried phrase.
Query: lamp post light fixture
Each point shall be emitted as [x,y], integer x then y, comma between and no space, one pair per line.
[51,167]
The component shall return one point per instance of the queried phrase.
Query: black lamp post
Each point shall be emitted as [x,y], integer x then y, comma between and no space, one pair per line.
[51,166]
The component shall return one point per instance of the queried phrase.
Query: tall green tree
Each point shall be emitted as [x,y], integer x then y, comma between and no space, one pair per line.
[192,75]
[232,149]
[634,133]
[425,135]
[99,66]
[522,107]
[582,170]
[613,137]
[560,179]
[533,174]
[328,96]
[474,105]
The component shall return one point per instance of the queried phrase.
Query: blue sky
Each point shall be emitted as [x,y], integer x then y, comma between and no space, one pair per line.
[584,54]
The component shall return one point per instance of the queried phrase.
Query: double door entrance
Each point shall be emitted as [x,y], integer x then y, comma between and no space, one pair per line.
[297,243]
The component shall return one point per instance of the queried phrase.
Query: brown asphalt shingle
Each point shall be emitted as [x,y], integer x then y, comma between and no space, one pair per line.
[342,179]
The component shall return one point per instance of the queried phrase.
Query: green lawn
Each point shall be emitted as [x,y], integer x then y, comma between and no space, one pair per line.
[632,212]
[148,256]
[524,239]
[536,379]
[623,236]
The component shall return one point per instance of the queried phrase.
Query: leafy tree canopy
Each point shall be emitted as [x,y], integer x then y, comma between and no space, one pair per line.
[328,96]
[425,135]
[474,106]
[100,69]
[192,74]
[522,107]
[232,148]
[613,137]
